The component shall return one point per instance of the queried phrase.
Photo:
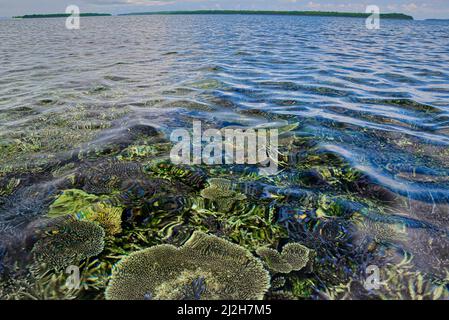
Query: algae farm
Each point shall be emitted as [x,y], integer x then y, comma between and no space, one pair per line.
[224,157]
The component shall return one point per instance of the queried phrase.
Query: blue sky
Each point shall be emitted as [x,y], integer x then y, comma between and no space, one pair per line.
[419,9]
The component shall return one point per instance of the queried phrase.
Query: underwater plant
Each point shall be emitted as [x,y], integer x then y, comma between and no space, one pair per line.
[278,283]
[250,225]
[205,267]
[51,135]
[188,175]
[293,257]
[68,242]
[38,285]
[138,152]
[403,283]
[399,281]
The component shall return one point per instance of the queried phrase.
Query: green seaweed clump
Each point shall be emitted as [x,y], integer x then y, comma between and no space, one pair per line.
[293,257]
[69,242]
[72,201]
[205,267]
[221,193]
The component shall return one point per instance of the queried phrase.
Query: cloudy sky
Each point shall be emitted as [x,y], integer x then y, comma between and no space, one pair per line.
[419,9]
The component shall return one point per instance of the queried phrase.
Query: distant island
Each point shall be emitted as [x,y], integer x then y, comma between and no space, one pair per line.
[242,12]
[60,15]
[290,13]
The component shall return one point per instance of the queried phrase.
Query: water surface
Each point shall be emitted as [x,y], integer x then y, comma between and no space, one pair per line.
[377,99]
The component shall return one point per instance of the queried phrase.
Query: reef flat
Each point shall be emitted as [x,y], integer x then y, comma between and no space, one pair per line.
[170,231]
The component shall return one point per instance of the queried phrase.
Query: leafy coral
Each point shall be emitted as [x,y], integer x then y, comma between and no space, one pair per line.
[293,257]
[229,271]
[221,193]
[273,260]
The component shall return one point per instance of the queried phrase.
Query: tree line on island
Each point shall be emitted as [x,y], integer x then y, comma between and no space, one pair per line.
[245,12]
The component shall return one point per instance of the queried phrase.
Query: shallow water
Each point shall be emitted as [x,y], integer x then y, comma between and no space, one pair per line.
[379,100]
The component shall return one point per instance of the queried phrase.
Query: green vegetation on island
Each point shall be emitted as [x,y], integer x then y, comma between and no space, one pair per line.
[60,15]
[292,13]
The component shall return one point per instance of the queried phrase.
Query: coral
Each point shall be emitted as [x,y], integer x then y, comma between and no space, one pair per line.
[228,271]
[107,177]
[221,193]
[278,283]
[293,257]
[379,231]
[190,285]
[107,216]
[296,255]
[273,260]
[68,241]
